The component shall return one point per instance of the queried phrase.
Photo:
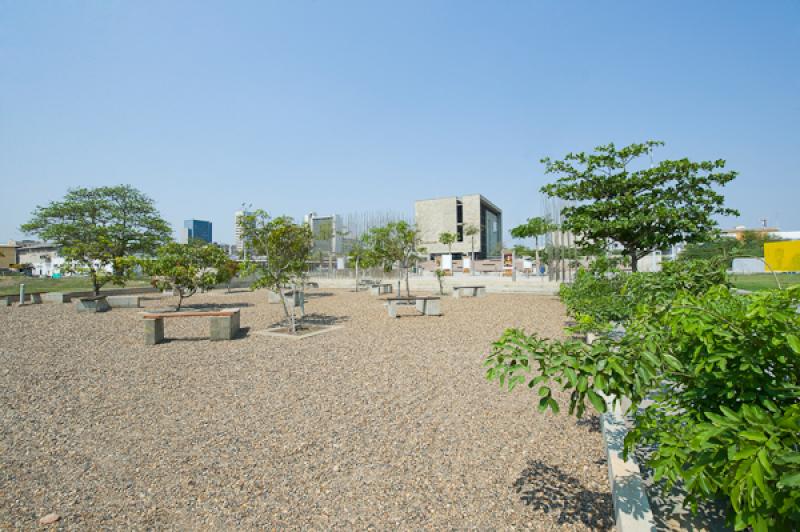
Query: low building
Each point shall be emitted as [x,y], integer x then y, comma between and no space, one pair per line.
[40,258]
[455,215]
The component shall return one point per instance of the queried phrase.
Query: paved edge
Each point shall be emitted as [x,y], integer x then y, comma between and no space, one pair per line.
[632,511]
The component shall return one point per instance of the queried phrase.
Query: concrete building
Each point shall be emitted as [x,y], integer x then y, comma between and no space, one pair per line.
[41,258]
[330,234]
[196,230]
[453,215]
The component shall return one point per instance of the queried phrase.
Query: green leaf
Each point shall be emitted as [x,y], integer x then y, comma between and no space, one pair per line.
[596,401]
[790,480]
[544,391]
[794,343]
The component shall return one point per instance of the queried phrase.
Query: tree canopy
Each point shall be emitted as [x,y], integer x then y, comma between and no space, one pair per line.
[101,228]
[396,242]
[186,268]
[642,209]
[285,247]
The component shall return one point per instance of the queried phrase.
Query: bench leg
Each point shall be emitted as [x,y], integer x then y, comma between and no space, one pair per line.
[456,293]
[480,292]
[433,308]
[153,331]
[391,308]
[420,304]
[224,327]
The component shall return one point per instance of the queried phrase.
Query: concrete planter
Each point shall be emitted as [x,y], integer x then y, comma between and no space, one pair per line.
[92,304]
[124,301]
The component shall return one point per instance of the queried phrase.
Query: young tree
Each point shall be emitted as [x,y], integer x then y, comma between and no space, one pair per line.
[187,268]
[362,255]
[100,229]
[447,239]
[533,228]
[396,242]
[286,247]
[472,230]
[643,210]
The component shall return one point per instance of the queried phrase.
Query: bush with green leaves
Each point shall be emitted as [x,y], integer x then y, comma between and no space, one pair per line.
[602,295]
[187,268]
[723,371]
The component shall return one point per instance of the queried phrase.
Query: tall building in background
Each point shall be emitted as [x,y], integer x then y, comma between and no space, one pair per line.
[237,231]
[196,230]
[453,215]
[330,235]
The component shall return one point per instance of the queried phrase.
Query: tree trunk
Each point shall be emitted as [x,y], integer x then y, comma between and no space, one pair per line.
[289,316]
[356,274]
[634,262]
[180,299]
[95,284]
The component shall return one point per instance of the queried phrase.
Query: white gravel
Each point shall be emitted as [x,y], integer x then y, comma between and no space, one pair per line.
[381,424]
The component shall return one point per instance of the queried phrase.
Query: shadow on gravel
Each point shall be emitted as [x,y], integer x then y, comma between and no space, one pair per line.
[314,295]
[547,488]
[243,333]
[214,306]
[315,319]
[590,422]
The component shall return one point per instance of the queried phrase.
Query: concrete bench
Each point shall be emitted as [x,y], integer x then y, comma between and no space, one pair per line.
[224,323]
[124,301]
[382,288]
[427,305]
[474,291]
[92,304]
[55,297]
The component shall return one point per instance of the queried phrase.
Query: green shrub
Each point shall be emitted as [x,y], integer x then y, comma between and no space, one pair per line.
[724,372]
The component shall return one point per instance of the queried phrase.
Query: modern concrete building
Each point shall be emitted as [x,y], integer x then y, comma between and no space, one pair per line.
[455,215]
[196,230]
[330,234]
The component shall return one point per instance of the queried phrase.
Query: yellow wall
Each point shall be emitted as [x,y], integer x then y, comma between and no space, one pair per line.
[8,256]
[783,256]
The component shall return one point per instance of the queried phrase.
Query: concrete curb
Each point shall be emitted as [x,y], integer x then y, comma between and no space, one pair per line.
[632,511]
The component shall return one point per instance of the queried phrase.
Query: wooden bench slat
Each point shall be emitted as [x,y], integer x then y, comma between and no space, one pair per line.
[189,314]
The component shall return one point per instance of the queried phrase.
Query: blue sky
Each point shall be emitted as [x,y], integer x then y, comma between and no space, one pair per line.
[348,106]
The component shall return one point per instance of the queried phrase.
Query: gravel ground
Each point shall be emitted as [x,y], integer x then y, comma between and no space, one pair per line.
[381,424]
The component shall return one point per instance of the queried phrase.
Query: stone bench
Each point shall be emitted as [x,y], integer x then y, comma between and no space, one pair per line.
[55,297]
[427,305]
[474,291]
[124,301]
[92,304]
[381,288]
[224,323]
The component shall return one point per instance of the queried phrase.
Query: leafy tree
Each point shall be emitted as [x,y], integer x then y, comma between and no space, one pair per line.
[643,210]
[722,369]
[396,243]
[98,229]
[447,239]
[440,277]
[362,255]
[533,228]
[286,247]
[189,267]
[471,231]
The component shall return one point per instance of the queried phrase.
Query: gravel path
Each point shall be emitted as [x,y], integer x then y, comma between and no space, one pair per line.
[383,423]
